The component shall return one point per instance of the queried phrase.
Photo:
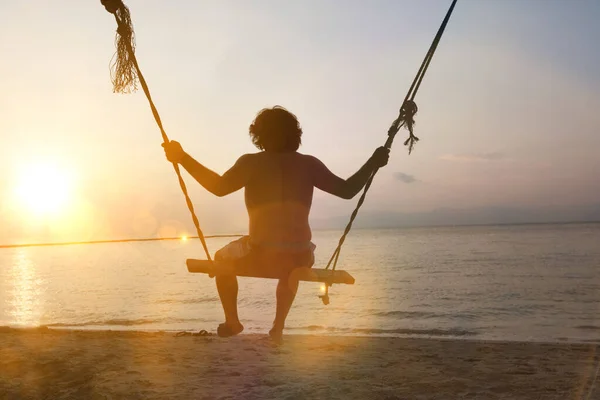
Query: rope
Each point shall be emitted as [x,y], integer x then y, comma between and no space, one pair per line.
[125,72]
[405,118]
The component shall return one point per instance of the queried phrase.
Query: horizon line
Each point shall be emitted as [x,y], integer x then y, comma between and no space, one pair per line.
[186,237]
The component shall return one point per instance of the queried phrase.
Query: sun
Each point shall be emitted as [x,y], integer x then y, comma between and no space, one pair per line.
[43,189]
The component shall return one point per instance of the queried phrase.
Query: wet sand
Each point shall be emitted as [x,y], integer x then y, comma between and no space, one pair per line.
[55,364]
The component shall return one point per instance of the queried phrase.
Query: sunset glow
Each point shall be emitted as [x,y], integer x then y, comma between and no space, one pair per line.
[470,167]
[43,190]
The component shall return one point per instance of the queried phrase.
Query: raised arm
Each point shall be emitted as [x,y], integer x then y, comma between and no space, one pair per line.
[231,181]
[328,182]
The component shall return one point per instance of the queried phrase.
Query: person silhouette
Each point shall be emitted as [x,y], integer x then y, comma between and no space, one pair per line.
[278,182]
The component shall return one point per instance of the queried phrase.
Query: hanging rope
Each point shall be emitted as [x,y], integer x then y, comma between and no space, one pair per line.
[405,119]
[125,72]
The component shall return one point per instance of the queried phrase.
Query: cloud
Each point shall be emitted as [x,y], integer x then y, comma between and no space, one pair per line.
[483,157]
[406,178]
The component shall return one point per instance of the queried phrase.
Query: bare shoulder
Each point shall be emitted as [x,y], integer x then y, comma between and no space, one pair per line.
[310,160]
[307,158]
[248,158]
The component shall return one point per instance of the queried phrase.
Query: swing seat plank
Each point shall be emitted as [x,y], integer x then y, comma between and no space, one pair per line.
[302,274]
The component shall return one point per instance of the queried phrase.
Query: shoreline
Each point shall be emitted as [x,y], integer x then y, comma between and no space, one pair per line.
[71,364]
[173,332]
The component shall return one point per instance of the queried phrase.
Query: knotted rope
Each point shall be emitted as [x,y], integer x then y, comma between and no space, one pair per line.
[405,119]
[125,72]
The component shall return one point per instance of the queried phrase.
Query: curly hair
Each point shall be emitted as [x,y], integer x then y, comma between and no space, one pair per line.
[276,129]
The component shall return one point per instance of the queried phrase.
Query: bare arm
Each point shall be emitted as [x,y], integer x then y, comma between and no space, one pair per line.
[328,182]
[231,181]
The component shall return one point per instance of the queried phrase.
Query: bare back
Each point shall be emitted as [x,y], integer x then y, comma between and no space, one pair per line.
[278,194]
[278,191]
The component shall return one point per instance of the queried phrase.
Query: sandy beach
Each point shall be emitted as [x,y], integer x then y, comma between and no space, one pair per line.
[54,364]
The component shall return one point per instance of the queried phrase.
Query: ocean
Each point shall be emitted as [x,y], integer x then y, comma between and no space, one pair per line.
[515,283]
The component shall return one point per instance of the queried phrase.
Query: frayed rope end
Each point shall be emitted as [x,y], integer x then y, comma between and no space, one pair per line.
[123,65]
[410,142]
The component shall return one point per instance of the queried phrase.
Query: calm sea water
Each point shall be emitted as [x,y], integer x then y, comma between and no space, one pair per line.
[529,282]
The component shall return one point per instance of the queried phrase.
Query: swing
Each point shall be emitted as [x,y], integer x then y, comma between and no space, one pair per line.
[125,73]
[302,274]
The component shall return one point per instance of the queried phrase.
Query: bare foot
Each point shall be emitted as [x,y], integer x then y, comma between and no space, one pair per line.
[226,330]
[276,335]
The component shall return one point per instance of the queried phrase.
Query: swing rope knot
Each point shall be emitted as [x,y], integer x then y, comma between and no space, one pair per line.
[112,5]
[408,109]
[407,114]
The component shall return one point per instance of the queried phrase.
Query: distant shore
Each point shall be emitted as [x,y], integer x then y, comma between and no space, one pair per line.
[459,225]
[331,229]
[64,364]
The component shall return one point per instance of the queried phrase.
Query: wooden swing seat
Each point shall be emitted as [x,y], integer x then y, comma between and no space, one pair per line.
[302,274]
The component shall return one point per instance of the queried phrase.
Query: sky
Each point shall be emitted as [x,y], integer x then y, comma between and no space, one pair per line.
[508,112]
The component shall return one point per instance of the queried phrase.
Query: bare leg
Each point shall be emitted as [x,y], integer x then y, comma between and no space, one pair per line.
[286,293]
[227,286]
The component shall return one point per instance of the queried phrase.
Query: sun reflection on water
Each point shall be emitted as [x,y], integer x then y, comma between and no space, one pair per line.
[25,297]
